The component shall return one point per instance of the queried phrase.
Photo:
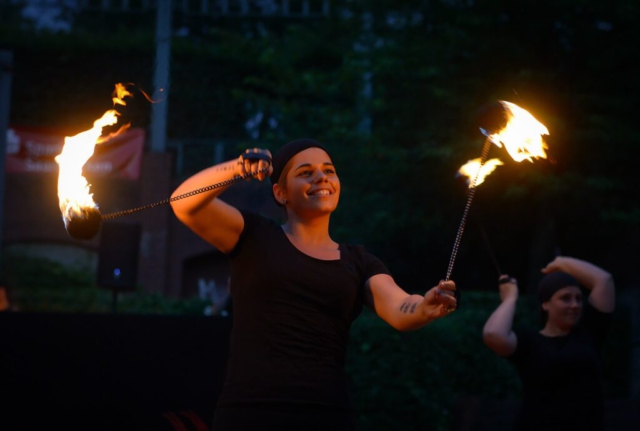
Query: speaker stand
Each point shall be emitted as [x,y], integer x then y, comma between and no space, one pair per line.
[114,301]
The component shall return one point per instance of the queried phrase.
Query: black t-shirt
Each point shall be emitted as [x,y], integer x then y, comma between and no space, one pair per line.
[561,376]
[291,319]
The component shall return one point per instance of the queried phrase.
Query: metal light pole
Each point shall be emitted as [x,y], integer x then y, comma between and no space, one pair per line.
[6,70]
[161,77]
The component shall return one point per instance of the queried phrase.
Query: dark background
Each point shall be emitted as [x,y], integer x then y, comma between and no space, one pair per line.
[394,90]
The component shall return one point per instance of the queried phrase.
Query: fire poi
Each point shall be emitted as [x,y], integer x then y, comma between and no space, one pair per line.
[81,215]
[503,124]
[79,212]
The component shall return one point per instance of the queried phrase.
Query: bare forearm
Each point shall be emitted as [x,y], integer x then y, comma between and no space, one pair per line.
[500,322]
[210,176]
[411,314]
[588,274]
[592,277]
[497,333]
[405,311]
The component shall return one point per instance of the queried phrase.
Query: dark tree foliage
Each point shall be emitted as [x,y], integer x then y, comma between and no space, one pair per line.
[394,88]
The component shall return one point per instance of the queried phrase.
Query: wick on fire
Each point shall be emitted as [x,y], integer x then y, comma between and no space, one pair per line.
[503,124]
[81,216]
[506,124]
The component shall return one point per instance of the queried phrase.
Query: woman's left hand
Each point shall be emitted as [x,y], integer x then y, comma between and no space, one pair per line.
[253,161]
[440,300]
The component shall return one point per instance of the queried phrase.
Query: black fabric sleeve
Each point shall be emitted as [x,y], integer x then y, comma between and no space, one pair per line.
[596,322]
[523,337]
[252,221]
[362,264]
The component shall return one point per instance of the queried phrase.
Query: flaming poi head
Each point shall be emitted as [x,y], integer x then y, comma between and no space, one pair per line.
[80,213]
[474,170]
[506,124]
[520,133]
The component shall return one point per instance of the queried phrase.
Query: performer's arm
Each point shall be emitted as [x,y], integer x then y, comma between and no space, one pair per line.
[404,311]
[498,333]
[598,281]
[217,222]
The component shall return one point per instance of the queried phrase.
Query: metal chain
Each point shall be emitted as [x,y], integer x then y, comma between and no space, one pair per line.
[487,244]
[456,245]
[472,192]
[225,183]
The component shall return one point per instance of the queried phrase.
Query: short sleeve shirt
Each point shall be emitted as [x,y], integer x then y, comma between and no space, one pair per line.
[292,315]
[561,376]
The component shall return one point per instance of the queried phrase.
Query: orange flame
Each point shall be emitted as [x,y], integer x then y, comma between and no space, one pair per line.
[522,135]
[73,189]
[472,170]
[522,138]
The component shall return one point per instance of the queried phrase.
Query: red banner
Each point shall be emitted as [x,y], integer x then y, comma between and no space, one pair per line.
[33,151]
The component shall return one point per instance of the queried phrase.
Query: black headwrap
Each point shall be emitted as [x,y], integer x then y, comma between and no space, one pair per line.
[284,154]
[553,282]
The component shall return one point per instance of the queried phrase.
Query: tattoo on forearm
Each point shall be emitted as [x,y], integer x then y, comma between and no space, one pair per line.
[225,167]
[407,307]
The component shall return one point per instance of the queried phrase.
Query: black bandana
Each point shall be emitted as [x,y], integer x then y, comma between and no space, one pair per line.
[289,150]
[553,282]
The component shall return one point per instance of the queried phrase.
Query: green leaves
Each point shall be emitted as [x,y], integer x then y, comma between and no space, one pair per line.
[392,89]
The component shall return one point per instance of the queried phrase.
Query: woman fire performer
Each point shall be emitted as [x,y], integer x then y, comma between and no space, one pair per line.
[295,292]
[560,365]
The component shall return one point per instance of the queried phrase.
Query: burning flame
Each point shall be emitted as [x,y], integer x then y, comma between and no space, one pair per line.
[73,190]
[522,135]
[472,169]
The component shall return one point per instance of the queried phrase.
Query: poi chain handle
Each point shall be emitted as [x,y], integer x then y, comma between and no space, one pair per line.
[472,192]
[225,183]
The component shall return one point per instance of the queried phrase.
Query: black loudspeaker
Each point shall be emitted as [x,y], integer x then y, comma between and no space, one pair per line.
[118,256]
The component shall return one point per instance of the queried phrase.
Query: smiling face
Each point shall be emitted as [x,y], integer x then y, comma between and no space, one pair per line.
[564,308]
[309,183]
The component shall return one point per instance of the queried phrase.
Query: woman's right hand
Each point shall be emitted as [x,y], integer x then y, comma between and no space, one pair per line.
[497,333]
[508,287]
[255,160]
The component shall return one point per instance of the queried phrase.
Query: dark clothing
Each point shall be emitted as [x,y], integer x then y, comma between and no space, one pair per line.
[291,319]
[561,376]
[285,417]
